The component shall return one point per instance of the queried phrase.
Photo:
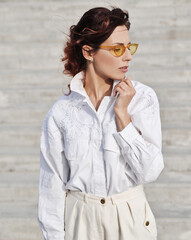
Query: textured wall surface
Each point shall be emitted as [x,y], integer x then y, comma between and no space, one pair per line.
[32,35]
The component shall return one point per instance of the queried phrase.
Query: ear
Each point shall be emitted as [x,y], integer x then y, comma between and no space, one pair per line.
[86,51]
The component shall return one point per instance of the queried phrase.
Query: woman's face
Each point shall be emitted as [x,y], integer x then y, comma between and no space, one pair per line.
[105,64]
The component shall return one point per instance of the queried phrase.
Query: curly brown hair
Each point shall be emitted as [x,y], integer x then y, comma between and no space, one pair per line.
[94,27]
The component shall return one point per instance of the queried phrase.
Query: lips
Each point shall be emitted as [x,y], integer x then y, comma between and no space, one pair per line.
[124,67]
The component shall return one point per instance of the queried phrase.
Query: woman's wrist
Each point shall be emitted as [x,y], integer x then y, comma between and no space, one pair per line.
[122,119]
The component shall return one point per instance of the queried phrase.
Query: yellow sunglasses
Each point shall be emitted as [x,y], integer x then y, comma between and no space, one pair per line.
[118,50]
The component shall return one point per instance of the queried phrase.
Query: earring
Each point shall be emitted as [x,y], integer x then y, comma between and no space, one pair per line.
[91,60]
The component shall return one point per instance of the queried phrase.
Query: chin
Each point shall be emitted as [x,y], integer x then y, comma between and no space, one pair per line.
[118,76]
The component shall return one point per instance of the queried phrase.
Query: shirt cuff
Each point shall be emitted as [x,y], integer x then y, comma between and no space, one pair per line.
[126,135]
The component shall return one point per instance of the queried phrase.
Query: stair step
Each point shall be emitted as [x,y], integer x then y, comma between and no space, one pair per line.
[53,78]
[148,60]
[35,115]
[173,221]
[28,229]
[33,79]
[141,61]
[48,49]
[29,135]
[158,78]
[171,97]
[14,97]
[37,32]
[151,12]
[170,187]
[160,210]
[175,162]
[19,160]
[34,12]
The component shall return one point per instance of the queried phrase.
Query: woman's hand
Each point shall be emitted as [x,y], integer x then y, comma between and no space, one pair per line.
[126,93]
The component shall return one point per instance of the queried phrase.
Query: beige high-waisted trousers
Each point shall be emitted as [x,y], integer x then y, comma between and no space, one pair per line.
[122,216]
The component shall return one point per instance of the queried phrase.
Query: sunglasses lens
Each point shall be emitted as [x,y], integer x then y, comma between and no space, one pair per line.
[118,50]
[132,48]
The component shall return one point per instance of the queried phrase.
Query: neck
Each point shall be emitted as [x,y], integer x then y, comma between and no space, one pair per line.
[96,86]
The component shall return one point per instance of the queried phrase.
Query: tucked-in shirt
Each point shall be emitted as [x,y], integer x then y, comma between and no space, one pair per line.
[81,149]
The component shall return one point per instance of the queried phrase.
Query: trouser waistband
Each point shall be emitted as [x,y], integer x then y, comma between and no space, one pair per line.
[131,193]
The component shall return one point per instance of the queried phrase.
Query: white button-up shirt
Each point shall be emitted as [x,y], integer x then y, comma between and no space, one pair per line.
[81,149]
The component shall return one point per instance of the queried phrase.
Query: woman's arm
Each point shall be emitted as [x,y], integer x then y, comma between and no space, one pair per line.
[52,181]
[141,140]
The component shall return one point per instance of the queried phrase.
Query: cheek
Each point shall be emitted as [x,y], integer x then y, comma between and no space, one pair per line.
[106,62]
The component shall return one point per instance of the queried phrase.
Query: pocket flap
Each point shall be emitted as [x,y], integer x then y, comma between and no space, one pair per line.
[109,143]
[149,222]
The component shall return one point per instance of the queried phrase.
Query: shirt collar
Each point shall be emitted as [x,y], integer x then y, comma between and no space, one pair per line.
[76,84]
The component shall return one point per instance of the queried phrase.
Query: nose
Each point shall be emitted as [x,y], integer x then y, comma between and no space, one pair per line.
[127,55]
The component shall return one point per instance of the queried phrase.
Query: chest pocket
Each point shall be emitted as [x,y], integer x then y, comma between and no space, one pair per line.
[76,149]
[110,144]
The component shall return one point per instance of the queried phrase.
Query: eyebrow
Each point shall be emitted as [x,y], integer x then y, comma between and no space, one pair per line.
[120,43]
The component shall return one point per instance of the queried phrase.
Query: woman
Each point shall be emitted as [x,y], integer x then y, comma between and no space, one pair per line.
[101,142]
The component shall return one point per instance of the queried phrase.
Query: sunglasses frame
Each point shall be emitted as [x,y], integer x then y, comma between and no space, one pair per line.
[110,48]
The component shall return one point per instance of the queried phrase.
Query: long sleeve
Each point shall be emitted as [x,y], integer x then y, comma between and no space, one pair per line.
[141,142]
[52,181]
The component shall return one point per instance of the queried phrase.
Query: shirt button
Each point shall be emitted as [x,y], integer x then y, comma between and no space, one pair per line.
[147,223]
[102,200]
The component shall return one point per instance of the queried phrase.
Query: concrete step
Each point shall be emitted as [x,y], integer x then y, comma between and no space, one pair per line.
[25,115]
[20,162]
[48,49]
[28,229]
[179,138]
[15,97]
[35,115]
[27,160]
[75,5]
[158,77]
[172,15]
[159,33]
[23,162]
[173,221]
[39,33]
[160,210]
[141,61]
[29,63]
[53,78]
[175,113]
[29,136]
[33,79]
[18,228]
[155,19]
[26,136]
[175,162]
[170,187]
[174,96]
[39,49]
[30,15]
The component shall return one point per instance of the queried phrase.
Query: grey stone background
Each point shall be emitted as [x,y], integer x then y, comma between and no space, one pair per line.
[31,80]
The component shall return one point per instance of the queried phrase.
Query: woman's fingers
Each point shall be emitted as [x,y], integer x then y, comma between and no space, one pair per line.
[118,89]
[124,84]
[128,81]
